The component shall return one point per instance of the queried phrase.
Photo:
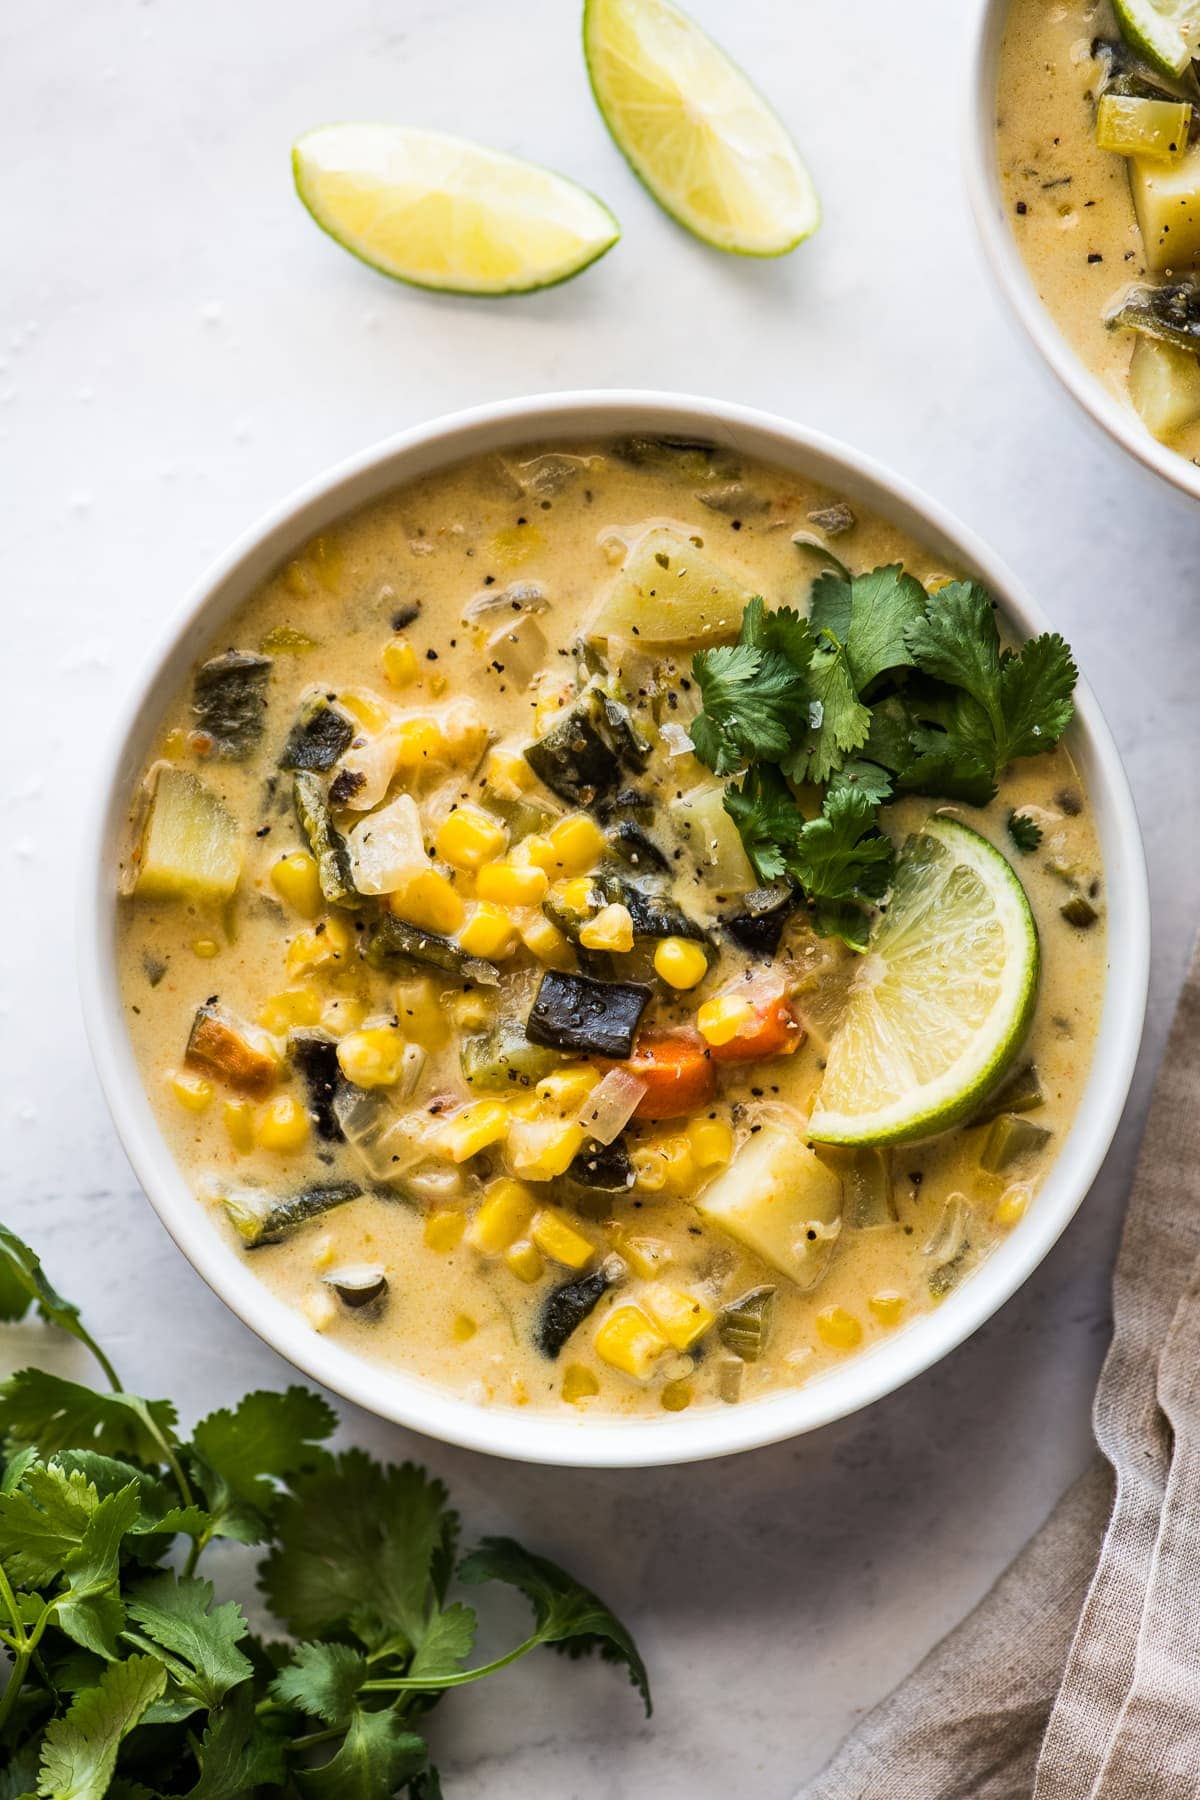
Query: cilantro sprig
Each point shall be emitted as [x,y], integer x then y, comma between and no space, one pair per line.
[126,1675]
[883,689]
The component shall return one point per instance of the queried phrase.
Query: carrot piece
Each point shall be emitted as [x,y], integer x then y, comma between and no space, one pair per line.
[775,1031]
[677,1072]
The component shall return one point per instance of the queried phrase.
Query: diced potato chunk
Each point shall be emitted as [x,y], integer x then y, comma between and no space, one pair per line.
[1164,385]
[780,1201]
[1133,126]
[668,591]
[1166,198]
[240,1055]
[191,846]
[700,818]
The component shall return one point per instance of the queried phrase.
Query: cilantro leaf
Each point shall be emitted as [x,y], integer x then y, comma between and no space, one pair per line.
[43,1409]
[751,700]
[870,615]
[765,812]
[238,1752]
[842,855]
[1025,832]
[862,777]
[837,720]
[355,1547]
[377,1753]
[322,1679]
[445,1643]
[41,1522]
[79,1750]
[566,1614]
[196,1641]
[783,630]
[24,1283]
[241,1455]
[92,1612]
[1036,685]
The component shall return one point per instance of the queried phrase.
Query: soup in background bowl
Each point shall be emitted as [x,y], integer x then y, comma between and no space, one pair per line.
[488,1051]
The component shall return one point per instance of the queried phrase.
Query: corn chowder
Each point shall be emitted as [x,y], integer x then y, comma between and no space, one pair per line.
[1099,157]
[492,1020]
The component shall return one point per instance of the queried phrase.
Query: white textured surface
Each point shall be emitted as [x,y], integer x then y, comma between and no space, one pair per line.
[178,347]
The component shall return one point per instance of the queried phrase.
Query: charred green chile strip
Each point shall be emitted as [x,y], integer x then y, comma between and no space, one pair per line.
[745,1324]
[1009,1138]
[504,1058]
[607,1168]
[313,1055]
[1079,912]
[1020,1092]
[319,736]
[627,741]
[324,840]
[229,699]
[392,940]
[598,1018]
[1123,72]
[758,923]
[654,914]
[575,759]
[565,1308]
[634,845]
[1170,313]
[259,1219]
[685,455]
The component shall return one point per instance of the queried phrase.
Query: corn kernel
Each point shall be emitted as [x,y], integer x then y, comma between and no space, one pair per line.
[428,899]
[626,1340]
[318,947]
[577,843]
[649,1175]
[422,1018]
[295,880]
[887,1306]
[1012,1206]
[578,1383]
[175,744]
[711,1141]
[545,941]
[438,683]
[366,707]
[507,774]
[205,948]
[472,1130]
[282,1124]
[324,1251]
[577,895]
[295,1007]
[343,1013]
[417,741]
[665,1165]
[679,1315]
[677,1396]
[191,1091]
[463,1329]
[646,1256]
[472,1011]
[489,932]
[327,559]
[839,1329]
[470,837]
[504,1216]
[535,850]
[510,885]
[443,1231]
[525,1260]
[719,1021]
[542,1149]
[557,1238]
[372,1058]
[319,1308]
[238,1118]
[399,661]
[611,929]
[565,1091]
[680,962]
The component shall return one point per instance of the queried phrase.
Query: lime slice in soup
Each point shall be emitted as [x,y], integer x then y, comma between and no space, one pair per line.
[695,131]
[1165,32]
[942,1000]
[443,213]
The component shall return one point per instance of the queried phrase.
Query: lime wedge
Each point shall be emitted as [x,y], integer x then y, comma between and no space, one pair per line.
[1165,32]
[942,1000]
[443,213]
[692,128]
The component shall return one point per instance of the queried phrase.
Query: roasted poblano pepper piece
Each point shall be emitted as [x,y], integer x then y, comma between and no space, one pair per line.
[260,1217]
[1019,1092]
[634,845]
[758,923]
[324,840]
[654,913]
[319,736]
[1170,313]
[1079,912]
[229,699]
[867,1185]
[949,1247]
[745,1324]
[1009,1138]
[314,1056]
[596,1018]
[393,941]
[603,1168]
[565,1308]
[503,1058]
[581,758]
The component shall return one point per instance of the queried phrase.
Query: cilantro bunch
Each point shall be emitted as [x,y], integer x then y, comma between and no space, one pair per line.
[126,1678]
[883,689]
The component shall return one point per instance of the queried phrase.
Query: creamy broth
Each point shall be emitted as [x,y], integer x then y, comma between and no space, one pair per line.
[1068,201]
[548,527]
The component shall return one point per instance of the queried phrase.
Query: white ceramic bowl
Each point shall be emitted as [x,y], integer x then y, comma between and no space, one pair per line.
[1013,277]
[405,1398]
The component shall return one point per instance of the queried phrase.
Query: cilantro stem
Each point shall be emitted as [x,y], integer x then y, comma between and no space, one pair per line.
[426,1683]
[110,1374]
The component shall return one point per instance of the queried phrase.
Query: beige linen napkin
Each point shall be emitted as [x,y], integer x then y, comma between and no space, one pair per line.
[1078,1677]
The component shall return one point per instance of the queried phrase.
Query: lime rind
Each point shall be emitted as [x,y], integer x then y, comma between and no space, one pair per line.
[1165,32]
[944,998]
[521,227]
[751,117]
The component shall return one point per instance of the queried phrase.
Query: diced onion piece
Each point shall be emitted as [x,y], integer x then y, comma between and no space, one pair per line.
[388,847]
[388,1145]
[676,739]
[609,1107]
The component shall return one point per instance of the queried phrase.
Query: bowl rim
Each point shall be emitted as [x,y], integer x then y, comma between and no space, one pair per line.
[1013,277]
[410,1400]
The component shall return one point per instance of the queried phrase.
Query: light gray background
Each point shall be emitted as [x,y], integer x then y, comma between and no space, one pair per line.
[179,347]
